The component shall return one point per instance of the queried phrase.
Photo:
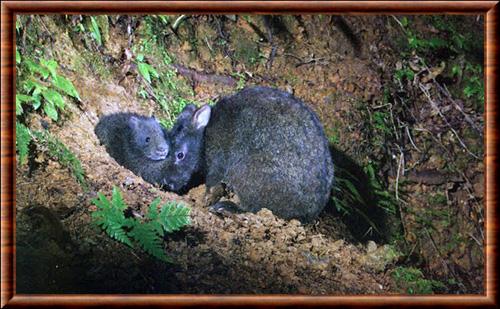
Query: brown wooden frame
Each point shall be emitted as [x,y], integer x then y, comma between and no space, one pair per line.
[10,8]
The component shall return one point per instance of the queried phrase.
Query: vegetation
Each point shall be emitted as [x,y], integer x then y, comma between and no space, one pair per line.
[96,34]
[23,139]
[160,81]
[411,281]
[147,232]
[61,154]
[363,197]
[41,87]
[459,42]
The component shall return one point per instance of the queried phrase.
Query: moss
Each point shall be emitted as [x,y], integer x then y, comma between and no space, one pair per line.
[437,199]
[92,63]
[411,280]
[333,134]
[171,91]
[102,21]
[246,49]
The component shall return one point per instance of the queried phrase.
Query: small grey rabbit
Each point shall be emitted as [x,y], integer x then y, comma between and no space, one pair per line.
[261,143]
[135,142]
[184,168]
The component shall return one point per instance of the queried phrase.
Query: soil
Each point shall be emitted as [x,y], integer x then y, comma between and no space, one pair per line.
[341,74]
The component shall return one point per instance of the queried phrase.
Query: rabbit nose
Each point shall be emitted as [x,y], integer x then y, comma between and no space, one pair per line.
[163,149]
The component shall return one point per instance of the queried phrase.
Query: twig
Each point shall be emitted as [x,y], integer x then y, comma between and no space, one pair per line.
[306,61]
[399,23]
[312,60]
[411,140]
[400,164]
[208,44]
[477,241]
[43,24]
[178,21]
[433,104]
[466,117]
[380,106]
[411,251]
[293,56]
[393,124]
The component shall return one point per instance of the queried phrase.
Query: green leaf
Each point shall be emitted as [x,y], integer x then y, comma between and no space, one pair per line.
[110,217]
[153,209]
[404,21]
[148,233]
[50,110]
[95,30]
[351,188]
[164,19]
[455,70]
[66,86]
[117,199]
[144,70]
[436,43]
[101,202]
[36,68]
[370,171]
[21,98]
[51,65]
[468,91]
[19,107]
[153,72]
[28,86]
[18,57]
[54,97]
[37,102]
[147,237]
[23,139]
[174,216]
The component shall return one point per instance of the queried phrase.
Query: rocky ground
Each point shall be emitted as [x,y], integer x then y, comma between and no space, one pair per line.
[398,112]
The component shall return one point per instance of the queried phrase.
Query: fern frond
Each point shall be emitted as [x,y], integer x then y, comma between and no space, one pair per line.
[101,202]
[110,217]
[149,235]
[153,210]
[173,216]
[115,230]
[23,139]
[145,234]
[117,199]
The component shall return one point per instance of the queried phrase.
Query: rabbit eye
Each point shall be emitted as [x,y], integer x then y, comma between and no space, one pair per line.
[180,155]
[148,139]
[178,128]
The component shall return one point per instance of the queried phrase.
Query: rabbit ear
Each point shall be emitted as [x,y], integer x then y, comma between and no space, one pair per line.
[187,112]
[201,117]
[133,122]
